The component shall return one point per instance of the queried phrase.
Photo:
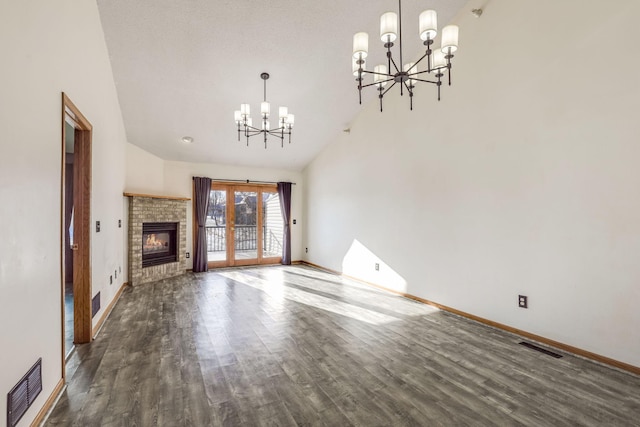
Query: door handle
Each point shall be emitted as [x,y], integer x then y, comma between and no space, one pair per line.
[74,247]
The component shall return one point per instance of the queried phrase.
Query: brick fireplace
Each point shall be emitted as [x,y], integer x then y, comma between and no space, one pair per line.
[157,231]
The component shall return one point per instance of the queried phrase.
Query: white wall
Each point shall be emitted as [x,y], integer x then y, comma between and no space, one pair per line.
[145,171]
[50,47]
[522,180]
[144,175]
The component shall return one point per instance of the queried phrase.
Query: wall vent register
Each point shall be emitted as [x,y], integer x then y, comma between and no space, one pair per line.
[20,398]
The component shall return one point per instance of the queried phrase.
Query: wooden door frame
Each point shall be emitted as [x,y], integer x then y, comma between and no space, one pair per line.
[231,224]
[227,262]
[81,225]
[231,188]
[259,189]
[268,260]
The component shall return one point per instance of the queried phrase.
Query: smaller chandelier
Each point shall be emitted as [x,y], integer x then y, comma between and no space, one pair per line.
[245,124]
[433,64]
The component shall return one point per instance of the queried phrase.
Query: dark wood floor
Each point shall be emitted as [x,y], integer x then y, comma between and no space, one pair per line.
[292,346]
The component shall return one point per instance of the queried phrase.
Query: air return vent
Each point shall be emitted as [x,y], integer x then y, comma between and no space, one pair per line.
[24,393]
[540,349]
[95,305]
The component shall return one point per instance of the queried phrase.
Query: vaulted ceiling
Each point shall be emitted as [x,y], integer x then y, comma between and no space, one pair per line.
[182,67]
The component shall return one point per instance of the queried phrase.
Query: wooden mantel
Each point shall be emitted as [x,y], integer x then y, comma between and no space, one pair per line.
[153,196]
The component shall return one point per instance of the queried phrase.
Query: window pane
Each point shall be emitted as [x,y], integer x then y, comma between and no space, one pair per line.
[246,240]
[272,225]
[216,225]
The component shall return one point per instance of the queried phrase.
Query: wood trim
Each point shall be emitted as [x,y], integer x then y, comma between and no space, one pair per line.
[82,223]
[63,275]
[214,187]
[230,225]
[230,188]
[57,390]
[310,264]
[108,309]
[71,109]
[544,340]
[565,347]
[259,225]
[153,196]
[82,236]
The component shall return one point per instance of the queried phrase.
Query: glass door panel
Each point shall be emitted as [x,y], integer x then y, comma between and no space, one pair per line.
[272,225]
[216,226]
[245,225]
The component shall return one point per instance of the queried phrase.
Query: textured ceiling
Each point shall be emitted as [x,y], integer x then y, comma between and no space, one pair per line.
[182,67]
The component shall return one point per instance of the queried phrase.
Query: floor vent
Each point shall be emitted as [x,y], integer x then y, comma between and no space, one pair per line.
[24,393]
[540,349]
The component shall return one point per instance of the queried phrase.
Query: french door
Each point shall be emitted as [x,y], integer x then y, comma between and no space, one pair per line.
[244,225]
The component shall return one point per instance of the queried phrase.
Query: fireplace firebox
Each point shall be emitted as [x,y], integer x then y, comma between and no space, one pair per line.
[159,243]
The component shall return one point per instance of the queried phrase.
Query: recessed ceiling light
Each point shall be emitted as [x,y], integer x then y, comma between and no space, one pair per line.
[187,140]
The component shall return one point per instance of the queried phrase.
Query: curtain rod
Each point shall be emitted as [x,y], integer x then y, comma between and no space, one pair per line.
[245,181]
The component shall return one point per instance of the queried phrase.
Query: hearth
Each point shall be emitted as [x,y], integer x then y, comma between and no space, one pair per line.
[159,243]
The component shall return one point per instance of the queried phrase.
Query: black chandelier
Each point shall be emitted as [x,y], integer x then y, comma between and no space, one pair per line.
[245,124]
[438,61]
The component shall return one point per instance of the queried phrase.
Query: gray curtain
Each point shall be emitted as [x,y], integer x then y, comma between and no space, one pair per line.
[284,191]
[201,193]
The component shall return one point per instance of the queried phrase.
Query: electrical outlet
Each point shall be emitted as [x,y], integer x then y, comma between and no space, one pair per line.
[97,226]
[188,255]
[119,223]
[294,222]
[306,250]
[523,301]
[377,267]
[111,280]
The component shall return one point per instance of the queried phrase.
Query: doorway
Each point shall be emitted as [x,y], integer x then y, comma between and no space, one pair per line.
[68,237]
[76,202]
[244,225]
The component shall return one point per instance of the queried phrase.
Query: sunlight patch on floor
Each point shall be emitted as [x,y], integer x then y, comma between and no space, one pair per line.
[278,291]
[347,287]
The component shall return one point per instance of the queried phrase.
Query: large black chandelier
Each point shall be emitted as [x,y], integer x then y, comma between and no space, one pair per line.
[245,123]
[435,62]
